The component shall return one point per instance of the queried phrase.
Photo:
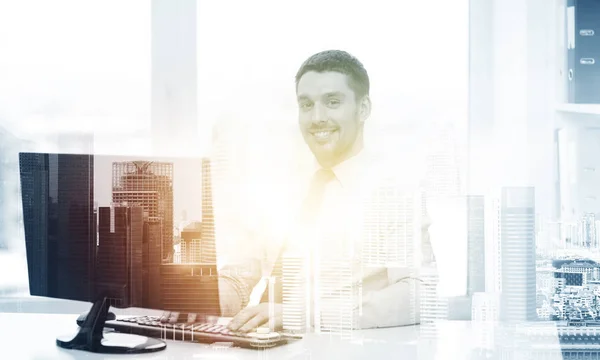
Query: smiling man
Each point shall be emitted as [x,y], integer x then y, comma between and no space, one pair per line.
[333,107]
[351,228]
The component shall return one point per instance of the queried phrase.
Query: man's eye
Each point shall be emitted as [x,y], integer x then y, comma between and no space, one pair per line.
[333,102]
[305,106]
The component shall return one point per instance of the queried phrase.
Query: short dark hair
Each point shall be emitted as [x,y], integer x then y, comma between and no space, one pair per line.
[338,61]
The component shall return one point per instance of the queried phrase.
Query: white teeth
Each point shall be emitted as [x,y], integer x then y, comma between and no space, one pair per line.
[323,133]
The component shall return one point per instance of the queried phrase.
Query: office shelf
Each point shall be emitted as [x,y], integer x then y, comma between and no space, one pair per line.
[587,109]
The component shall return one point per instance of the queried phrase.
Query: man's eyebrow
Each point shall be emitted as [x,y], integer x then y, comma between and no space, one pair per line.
[326,95]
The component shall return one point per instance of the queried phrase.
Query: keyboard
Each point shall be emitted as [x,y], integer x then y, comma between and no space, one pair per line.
[168,328]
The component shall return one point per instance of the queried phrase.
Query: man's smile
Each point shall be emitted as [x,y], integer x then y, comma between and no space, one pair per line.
[323,136]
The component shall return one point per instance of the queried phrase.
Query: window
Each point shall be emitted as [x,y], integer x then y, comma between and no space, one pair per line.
[68,68]
[71,67]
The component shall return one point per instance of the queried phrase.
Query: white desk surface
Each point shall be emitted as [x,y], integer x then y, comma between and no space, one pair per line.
[28,336]
[32,336]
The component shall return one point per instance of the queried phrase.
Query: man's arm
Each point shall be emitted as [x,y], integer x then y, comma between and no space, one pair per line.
[399,303]
[251,253]
[235,287]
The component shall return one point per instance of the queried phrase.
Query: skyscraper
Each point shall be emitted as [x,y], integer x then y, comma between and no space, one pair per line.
[60,230]
[35,201]
[296,293]
[518,254]
[148,184]
[433,306]
[446,205]
[151,260]
[493,254]
[570,235]
[191,243]
[225,176]
[119,269]
[443,178]
[336,294]
[484,317]
[392,233]
[394,244]
[475,244]
[209,252]
[587,231]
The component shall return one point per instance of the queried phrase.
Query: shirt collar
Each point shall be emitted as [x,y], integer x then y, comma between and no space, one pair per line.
[351,169]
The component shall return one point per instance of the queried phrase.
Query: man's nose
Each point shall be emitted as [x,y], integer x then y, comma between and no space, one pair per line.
[319,114]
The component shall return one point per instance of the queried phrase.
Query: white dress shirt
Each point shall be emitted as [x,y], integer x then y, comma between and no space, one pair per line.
[362,217]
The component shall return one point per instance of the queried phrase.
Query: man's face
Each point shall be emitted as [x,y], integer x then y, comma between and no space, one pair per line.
[330,116]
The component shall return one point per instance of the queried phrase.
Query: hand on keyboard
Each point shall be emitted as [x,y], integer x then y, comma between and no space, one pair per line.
[252,317]
[178,327]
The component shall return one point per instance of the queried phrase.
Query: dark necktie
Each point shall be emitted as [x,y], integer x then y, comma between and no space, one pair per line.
[307,216]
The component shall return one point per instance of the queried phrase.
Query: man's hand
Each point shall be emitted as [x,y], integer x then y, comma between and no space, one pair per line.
[252,317]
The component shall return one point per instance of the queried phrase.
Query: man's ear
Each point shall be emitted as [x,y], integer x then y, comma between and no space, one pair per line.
[365,109]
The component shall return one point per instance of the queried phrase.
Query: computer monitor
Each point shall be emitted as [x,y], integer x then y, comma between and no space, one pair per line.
[123,232]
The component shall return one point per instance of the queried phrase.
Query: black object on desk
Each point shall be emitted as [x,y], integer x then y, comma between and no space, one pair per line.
[81,319]
[109,256]
[91,336]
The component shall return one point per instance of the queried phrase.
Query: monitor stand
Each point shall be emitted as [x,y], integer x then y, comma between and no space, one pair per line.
[91,336]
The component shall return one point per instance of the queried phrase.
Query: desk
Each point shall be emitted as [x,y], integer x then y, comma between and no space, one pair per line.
[31,336]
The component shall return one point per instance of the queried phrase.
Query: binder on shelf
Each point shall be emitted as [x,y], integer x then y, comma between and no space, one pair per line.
[583,51]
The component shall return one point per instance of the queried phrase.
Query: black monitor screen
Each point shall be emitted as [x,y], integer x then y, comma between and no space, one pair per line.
[137,230]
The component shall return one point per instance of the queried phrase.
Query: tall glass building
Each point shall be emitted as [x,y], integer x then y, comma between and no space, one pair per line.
[148,184]
[517,220]
[59,222]
[476,244]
